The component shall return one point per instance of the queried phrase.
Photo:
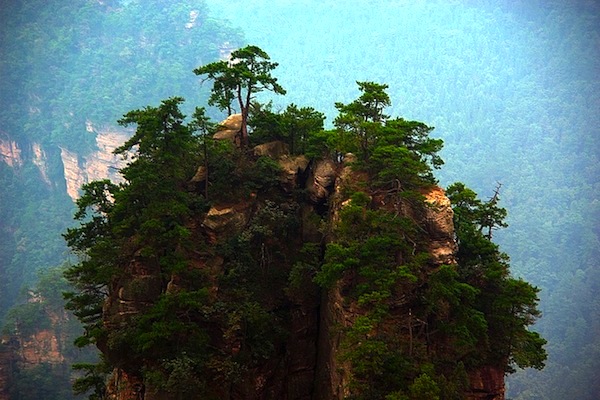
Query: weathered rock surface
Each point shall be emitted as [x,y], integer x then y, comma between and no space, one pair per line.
[41,347]
[438,222]
[223,220]
[133,293]
[25,351]
[321,180]
[200,175]
[40,160]
[292,168]
[101,164]
[124,386]
[487,383]
[77,169]
[10,153]
[73,171]
[275,149]
[230,128]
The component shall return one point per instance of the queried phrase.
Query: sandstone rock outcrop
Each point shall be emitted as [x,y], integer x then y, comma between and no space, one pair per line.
[12,155]
[292,168]
[10,152]
[227,220]
[337,311]
[321,180]
[438,221]
[100,164]
[230,128]
[77,169]
[275,149]
[40,160]
[487,384]
[34,349]
[42,347]
[73,171]
[200,175]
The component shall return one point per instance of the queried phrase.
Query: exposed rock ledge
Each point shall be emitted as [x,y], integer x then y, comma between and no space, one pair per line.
[101,164]
[10,153]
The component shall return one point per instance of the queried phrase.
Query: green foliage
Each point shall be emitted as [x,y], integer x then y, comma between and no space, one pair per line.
[39,304]
[264,175]
[376,267]
[359,121]
[466,67]
[67,67]
[174,325]
[92,379]
[497,81]
[294,126]
[95,241]
[509,304]
[377,259]
[43,381]
[451,307]
[145,216]
[152,203]
[26,319]
[302,272]
[246,73]
[31,215]
[474,312]
[176,331]
[424,388]
[122,55]
[234,174]
[178,376]
[398,154]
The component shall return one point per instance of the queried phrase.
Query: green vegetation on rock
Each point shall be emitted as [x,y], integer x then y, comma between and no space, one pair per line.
[194,291]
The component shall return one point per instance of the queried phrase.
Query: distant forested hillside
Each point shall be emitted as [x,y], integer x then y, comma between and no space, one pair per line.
[66,65]
[68,62]
[513,88]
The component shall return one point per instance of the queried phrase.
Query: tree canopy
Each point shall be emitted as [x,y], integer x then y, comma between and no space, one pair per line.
[246,73]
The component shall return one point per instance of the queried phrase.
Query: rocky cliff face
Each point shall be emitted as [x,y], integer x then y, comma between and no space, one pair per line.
[100,164]
[29,350]
[10,153]
[487,383]
[306,365]
[77,169]
[44,345]
[49,348]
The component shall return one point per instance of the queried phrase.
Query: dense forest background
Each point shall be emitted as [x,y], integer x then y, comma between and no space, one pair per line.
[65,64]
[513,89]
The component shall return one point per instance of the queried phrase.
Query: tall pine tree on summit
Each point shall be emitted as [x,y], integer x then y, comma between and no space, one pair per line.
[246,73]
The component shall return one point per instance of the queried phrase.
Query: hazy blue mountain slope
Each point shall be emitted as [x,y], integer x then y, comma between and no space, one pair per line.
[67,64]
